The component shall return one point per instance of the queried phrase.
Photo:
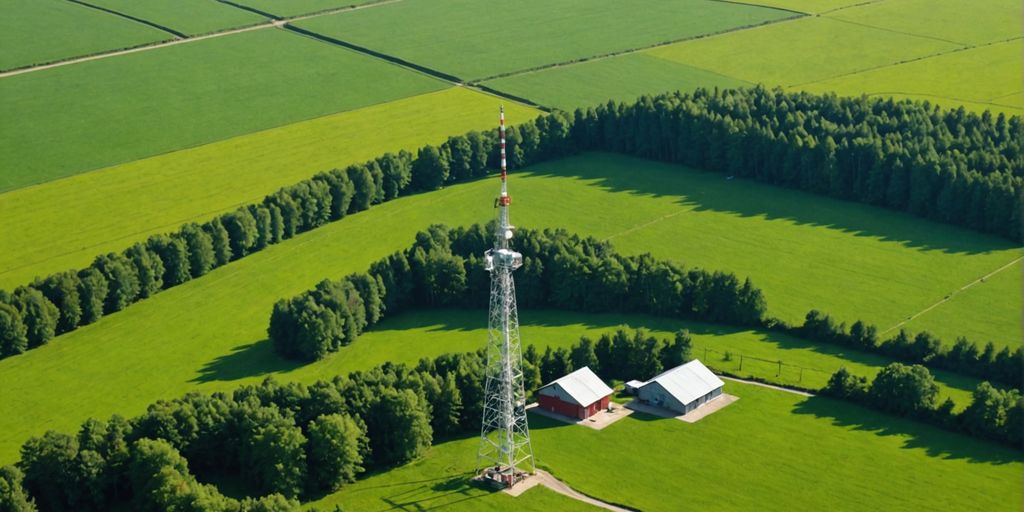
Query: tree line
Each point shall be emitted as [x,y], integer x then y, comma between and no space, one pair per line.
[285,441]
[911,391]
[950,166]
[444,268]
[962,357]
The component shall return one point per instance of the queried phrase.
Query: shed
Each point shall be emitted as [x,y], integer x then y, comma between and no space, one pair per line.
[579,394]
[683,388]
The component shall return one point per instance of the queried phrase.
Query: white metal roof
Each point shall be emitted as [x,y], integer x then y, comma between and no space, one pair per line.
[583,386]
[688,382]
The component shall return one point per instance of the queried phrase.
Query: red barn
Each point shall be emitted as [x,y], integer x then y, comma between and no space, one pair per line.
[577,395]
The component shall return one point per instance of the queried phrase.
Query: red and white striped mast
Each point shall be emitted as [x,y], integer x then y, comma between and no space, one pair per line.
[504,227]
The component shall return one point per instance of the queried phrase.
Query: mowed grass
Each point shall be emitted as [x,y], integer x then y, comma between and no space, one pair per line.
[288,8]
[620,78]
[960,21]
[191,17]
[66,223]
[42,31]
[210,333]
[799,51]
[440,480]
[979,79]
[772,450]
[181,96]
[463,37]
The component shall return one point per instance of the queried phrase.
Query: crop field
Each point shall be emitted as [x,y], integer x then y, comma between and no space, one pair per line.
[41,31]
[979,79]
[288,8]
[191,17]
[779,451]
[209,333]
[622,78]
[182,96]
[960,21]
[66,223]
[807,6]
[438,34]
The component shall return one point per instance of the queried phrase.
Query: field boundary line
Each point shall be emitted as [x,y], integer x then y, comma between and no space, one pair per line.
[909,34]
[862,4]
[246,8]
[958,100]
[766,385]
[126,16]
[645,225]
[950,297]
[272,23]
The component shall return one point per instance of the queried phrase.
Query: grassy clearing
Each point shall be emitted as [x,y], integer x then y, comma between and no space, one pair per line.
[778,451]
[288,8]
[532,33]
[41,31]
[208,334]
[440,480]
[622,78]
[799,51]
[994,306]
[983,78]
[960,21]
[181,96]
[66,223]
[192,17]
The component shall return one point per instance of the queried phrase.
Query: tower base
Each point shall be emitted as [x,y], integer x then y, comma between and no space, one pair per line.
[500,477]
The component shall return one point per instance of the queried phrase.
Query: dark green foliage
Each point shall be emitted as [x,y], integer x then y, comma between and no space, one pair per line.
[371,290]
[460,158]
[220,241]
[904,389]
[92,294]
[122,281]
[843,384]
[678,352]
[201,256]
[264,227]
[333,451]
[273,456]
[429,169]
[12,495]
[173,254]
[148,268]
[396,172]
[50,465]
[242,232]
[365,190]
[554,364]
[583,355]
[398,423]
[341,189]
[13,333]
[39,315]
[62,290]
[302,329]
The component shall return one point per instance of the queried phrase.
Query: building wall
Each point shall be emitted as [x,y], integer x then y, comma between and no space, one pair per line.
[556,405]
[655,394]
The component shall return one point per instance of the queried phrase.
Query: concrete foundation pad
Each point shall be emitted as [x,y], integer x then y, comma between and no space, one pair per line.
[598,421]
[690,417]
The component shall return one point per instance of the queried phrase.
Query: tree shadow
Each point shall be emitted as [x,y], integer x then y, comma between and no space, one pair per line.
[250,360]
[711,191]
[933,440]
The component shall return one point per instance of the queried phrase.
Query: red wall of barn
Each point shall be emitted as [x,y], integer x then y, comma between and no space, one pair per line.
[553,404]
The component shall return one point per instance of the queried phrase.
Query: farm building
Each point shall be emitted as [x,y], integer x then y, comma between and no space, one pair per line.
[578,395]
[683,388]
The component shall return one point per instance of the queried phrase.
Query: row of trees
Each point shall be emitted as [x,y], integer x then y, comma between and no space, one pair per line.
[444,268]
[911,391]
[963,356]
[285,441]
[947,165]
[33,314]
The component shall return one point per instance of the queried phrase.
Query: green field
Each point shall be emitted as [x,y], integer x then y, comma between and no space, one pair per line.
[181,96]
[808,6]
[463,38]
[42,31]
[288,8]
[800,51]
[206,333]
[66,223]
[982,78]
[191,17]
[622,78]
[963,22]
[778,451]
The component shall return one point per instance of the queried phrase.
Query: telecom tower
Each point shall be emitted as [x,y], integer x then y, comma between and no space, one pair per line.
[505,455]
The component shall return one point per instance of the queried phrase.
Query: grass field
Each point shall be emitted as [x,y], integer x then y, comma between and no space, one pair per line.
[778,451]
[41,31]
[808,6]
[622,78]
[440,481]
[963,22]
[181,96]
[191,17]
[800,51]
[66,223]
[206,333]
[288,8]
[461,37]
[983,78]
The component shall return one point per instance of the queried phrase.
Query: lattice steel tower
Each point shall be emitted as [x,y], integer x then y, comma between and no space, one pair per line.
[505,455]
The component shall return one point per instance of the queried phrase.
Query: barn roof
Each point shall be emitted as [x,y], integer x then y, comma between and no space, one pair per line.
[688,382]
[583,386]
